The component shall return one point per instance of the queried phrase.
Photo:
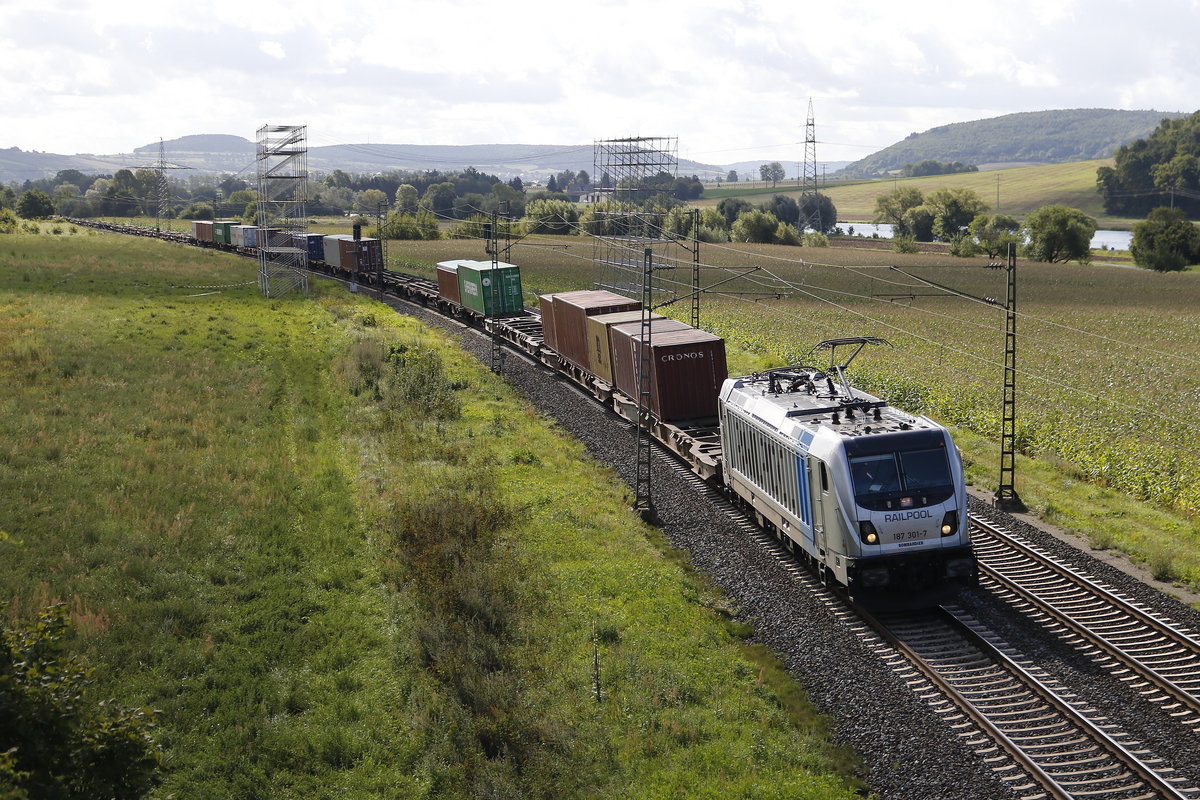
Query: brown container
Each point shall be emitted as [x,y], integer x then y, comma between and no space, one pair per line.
[370,254]
[202,230]
[622,349]
[571,310]
[348,254]
[546,304]
[600,342]
[687,368]
[447,278]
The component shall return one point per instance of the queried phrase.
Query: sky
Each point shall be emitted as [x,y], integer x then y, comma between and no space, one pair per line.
[732,80]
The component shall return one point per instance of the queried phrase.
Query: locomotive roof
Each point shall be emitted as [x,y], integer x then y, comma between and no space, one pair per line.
[794,401]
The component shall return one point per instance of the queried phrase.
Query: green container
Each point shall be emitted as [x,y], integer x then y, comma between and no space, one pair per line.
[488,291]
[222,230]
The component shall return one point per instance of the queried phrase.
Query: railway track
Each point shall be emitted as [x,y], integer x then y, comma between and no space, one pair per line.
[1156,658]
[1031,730]
[1015,712]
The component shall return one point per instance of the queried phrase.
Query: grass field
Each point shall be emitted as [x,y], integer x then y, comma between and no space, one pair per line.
[339,555]
[1107,367]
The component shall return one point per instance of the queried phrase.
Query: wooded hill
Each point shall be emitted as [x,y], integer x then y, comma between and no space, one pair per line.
[1041,137]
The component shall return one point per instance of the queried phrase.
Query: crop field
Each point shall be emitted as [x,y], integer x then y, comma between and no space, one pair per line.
[333,552]
[1107,365]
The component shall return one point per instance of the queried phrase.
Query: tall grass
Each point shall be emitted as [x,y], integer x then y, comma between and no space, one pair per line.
[342,559]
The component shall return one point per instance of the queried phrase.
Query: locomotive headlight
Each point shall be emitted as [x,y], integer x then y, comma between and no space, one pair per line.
[950,523]
[867,532]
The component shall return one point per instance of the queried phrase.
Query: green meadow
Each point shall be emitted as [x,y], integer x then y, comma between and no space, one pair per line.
[341,559]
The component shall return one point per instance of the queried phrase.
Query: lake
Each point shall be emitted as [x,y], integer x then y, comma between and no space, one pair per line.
[1103,240]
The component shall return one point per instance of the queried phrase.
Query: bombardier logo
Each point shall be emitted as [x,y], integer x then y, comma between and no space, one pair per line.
[907,515]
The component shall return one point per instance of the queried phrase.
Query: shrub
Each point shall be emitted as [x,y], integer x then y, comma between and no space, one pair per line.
[1166,241]
[963,246]
[786,233]
[904,244]
[62,744]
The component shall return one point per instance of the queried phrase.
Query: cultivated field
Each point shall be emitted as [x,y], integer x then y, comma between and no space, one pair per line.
[338,555]
[1107,369]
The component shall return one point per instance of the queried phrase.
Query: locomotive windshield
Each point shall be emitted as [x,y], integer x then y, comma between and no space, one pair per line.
[901,478]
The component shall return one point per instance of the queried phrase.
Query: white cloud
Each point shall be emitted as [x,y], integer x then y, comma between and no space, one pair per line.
[273,49]
[728,77]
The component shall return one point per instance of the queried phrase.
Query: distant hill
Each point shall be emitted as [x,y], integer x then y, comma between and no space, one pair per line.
[1032,137]
[223,153]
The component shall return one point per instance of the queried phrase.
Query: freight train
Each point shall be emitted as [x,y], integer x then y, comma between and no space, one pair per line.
[871,497]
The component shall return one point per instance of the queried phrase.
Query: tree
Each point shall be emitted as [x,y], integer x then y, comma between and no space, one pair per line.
[339,180]
[370,202]
[1147,171]
[407,198]
[995,232]
[731,208]
[772,172]
[35,204]
[439,199]
[755,226]
[891,207]
[952,210]
[732,176]
[421,226]
[74,177]
[1165,241]
[1057,233]
[552,184]
[505,200]
[918,223]
[552,216]
[8,221]
[8,198]
[824,208]
[62,745]
[785,208]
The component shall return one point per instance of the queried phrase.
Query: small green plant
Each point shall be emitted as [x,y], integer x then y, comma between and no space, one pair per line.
[60,741]
[1162,564]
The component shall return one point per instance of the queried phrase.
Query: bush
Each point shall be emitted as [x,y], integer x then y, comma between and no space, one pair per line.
[755,226]
[1057,233]
[963,246]
[786,233]
[35,204]
[60,743]
[904,244]
[197,211]
[1166,241]
[1161,257]
[8,221]
[422,226]
[814,239]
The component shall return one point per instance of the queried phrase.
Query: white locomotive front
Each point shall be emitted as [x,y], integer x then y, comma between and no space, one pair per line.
[873,497]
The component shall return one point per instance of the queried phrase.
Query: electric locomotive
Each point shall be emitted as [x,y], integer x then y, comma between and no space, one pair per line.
[874,498]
